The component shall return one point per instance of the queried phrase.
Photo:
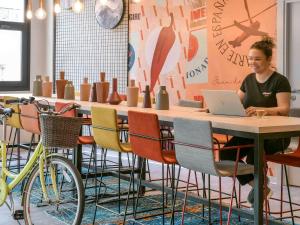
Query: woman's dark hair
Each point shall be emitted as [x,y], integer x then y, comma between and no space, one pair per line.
[265,45]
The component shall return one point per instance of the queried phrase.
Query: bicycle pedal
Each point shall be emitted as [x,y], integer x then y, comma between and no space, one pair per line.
[18,215]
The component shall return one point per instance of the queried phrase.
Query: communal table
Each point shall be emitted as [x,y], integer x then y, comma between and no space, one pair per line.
[258,129]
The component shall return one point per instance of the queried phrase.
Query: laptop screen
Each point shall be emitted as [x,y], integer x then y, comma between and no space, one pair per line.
[224,102]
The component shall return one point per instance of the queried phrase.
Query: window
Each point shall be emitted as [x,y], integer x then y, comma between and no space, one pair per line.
[14,46]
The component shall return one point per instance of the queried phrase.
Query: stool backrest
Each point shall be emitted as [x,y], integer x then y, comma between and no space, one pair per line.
[105,128]
[145,138]
[30,118]
[14,120]
[194,145]
[190,103]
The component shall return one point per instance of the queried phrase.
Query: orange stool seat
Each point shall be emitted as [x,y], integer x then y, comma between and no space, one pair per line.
[86,140]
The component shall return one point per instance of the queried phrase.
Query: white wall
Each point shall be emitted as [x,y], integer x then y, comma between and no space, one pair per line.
[41,44]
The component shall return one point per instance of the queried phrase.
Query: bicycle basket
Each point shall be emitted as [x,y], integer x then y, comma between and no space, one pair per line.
[59,131]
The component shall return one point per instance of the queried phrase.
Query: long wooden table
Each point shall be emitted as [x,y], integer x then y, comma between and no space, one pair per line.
[258,129]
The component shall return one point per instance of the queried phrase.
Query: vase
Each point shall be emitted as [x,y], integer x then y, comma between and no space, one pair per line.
[85,89]
[60,85]
[102,89]
[69,91]
[114,97]
[162,99]
[37,86]
[147,98]
[132,93]
[93,94]
[47,87]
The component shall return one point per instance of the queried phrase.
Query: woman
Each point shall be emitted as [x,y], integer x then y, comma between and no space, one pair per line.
[267,90]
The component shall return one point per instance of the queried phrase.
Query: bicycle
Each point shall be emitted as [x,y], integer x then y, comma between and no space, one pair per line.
[52,183]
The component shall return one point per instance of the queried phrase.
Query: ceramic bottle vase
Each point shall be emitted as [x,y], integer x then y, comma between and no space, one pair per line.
[114,97]
[60,85]
[69,91]
[37,86]
[47,87]
[132,93]
[147,98]
[162,99]
[102,89]
[93,93]
[85,89]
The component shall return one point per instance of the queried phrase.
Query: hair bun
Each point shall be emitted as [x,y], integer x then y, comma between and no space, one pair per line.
[268,41]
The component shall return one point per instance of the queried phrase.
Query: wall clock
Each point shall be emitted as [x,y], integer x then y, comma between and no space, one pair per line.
[109,12]
[66,4]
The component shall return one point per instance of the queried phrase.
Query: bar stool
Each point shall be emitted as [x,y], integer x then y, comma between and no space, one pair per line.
[195,150]
[106,133]
[30,122]
[15,125]
[147,142]
[83,140]
[290,158]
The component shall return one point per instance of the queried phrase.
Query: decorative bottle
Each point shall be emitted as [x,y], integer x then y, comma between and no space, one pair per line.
[37,86]
[47,87]
[85,89]
[162,99]
[60,85]
[114,97]
[69,91]
[102,89]
[93,94]
[132,93]
[147,98]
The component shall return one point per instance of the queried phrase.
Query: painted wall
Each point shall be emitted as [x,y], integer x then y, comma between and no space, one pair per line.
[205,45]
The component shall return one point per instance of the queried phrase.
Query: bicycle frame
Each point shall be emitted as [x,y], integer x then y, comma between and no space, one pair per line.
[39,156]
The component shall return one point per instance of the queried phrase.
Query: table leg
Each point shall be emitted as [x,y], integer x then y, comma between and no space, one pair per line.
[258,180]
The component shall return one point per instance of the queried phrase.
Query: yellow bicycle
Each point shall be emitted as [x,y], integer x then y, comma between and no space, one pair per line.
[53,185]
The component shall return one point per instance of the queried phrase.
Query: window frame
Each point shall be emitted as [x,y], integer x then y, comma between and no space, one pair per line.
[24,27]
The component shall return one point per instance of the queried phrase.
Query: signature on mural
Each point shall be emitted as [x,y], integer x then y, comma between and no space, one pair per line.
[219,81]
[252,30]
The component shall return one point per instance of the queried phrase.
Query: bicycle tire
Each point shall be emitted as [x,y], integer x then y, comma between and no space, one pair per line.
[68,208]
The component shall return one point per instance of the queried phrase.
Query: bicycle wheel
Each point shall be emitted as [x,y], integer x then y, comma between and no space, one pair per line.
[64,186]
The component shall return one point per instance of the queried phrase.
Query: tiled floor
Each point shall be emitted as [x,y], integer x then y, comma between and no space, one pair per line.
[6,219]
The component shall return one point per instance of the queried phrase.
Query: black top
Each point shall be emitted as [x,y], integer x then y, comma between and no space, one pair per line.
[264,94]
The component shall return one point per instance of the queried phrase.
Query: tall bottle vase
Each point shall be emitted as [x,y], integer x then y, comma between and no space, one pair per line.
[85,89]
[93,93]
[132,93]
[60,85]
[47,87]
[69,91]
[37,86]
[102,89]
[162,99]
[147,98]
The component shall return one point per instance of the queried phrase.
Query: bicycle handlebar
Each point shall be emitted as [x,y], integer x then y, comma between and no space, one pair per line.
[20,100]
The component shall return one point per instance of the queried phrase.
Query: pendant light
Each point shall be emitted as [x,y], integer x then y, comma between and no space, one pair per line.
[40,13]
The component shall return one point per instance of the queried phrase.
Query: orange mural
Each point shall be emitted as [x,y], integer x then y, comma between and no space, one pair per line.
[232,27]
[189,45]
[159,42]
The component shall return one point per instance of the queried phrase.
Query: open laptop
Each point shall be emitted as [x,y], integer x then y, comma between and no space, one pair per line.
[223,102]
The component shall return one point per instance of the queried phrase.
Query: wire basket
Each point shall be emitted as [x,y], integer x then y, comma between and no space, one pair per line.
[60,131]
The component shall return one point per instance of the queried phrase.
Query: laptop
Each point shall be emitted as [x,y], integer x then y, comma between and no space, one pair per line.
[224,102]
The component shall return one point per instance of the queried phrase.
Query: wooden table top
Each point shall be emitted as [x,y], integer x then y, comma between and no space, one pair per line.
[267,124]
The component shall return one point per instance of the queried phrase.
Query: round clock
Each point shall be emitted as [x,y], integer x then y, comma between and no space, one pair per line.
[66,4]
[109,12]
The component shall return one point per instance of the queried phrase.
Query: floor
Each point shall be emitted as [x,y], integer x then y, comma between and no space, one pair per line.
[6,218]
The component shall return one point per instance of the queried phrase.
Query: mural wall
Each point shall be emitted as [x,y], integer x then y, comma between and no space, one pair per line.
[189,45]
